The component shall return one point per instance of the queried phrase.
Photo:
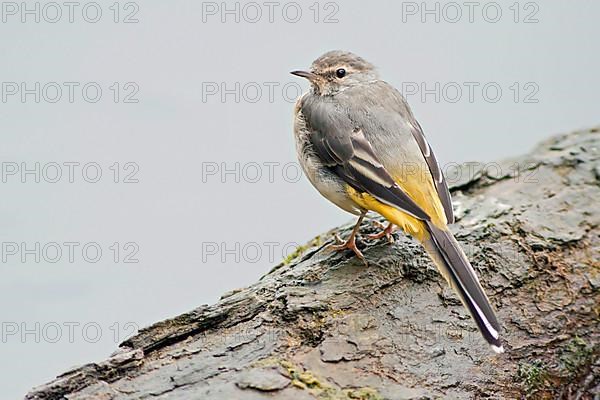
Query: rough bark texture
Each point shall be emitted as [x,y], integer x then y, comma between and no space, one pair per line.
[322,325]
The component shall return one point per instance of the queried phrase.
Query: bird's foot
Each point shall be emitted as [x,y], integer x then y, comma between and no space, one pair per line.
[386,232]
[349,244]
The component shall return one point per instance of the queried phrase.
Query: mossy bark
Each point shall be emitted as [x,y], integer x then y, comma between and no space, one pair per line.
[322,325]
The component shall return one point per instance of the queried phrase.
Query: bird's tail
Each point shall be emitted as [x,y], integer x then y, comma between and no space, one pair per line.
[447,255]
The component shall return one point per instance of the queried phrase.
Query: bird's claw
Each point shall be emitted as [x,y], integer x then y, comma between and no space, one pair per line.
[349,244]
[386,232]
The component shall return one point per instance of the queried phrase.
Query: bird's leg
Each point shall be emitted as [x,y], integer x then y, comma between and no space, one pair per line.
[387,232]
[350,243]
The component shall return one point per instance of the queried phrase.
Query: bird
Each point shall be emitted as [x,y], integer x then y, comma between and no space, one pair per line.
[361,147]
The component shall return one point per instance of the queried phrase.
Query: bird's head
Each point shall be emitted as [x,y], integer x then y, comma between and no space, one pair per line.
[336,71]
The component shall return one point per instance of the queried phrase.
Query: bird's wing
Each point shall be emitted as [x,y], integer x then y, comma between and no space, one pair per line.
[347,152]
[439,180]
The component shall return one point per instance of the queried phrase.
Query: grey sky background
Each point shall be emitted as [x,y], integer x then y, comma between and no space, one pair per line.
[177,215]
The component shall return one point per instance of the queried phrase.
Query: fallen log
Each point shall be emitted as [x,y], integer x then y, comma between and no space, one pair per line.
[322,325]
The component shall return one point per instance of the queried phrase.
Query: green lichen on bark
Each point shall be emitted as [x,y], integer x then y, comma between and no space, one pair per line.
[323,326]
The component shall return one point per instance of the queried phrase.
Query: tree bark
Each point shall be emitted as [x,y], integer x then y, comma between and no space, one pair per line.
[323,325]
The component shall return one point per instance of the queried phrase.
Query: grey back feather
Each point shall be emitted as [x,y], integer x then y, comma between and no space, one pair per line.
[365,131]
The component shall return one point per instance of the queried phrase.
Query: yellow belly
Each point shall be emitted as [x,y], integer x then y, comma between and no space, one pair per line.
[422,193]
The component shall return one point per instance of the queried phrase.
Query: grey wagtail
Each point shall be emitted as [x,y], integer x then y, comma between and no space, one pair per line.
[361,148]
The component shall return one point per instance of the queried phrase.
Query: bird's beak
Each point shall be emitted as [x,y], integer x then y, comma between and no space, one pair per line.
[305,74]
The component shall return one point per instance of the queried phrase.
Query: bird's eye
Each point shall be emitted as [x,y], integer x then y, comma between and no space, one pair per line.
[340,72]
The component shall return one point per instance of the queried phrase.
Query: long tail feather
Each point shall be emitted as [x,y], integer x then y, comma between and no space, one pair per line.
[446,253]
